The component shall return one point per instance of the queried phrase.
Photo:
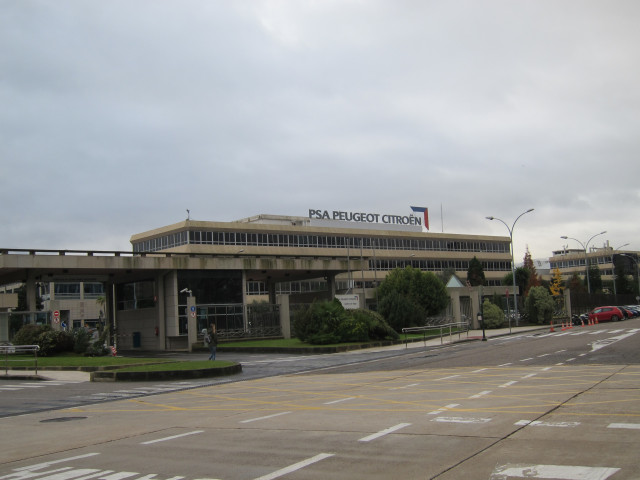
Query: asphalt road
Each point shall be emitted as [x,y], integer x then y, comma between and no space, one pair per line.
[562,405]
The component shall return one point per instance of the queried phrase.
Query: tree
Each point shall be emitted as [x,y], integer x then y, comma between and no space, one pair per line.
[595,279]
[407,296]
[475,273]
[575,284]
[539,305]
[522,279]
[556,286]
[534,279]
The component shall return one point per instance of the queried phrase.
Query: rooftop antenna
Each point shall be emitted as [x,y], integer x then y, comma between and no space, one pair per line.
[188,215]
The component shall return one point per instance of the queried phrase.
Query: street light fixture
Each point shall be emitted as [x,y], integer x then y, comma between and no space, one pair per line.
[586,258]
[513,264]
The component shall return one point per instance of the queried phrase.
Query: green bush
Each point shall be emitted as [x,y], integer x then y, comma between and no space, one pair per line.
[28,334]
[52,342]
[328,322]
[81,340]
[539,305]
[493,315]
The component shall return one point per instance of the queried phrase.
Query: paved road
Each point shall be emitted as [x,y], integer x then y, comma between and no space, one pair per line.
[531,405]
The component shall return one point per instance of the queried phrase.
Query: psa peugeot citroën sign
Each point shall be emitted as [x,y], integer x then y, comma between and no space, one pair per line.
[366,217]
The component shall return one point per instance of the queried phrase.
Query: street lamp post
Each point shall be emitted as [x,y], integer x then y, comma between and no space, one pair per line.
[513,264]
[586,258]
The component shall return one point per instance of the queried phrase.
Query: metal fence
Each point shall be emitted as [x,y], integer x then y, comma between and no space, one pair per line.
[256,320]
[7,350]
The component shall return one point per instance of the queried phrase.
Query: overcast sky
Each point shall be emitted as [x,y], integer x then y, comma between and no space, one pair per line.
[117,116]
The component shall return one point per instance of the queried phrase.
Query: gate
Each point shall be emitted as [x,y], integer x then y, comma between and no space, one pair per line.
[235,320]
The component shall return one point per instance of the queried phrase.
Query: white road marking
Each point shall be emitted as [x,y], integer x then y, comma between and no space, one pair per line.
[461,420]
[444,409]
[406,386]
[481,394]
[478,371]
[384,432]
[340,400]
[38,466]
[530,375]
[295,466]
[172,437]
[545,369]
[447,378]
[633,426]
[557,472]
[508,384]
[538,423]
[526,359]
[264,418]
[505,364]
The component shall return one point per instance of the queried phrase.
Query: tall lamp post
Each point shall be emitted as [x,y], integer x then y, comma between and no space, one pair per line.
[586,258]
[637,268]
[513,264]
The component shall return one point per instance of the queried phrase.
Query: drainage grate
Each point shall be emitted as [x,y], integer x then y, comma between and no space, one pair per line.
[62,419]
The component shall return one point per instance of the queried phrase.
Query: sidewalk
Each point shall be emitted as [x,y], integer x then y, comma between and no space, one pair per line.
[472,335]
[44,375]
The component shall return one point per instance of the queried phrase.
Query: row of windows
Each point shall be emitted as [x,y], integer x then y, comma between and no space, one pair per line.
[579,262]
[315,241]
[72,290]
[436,265]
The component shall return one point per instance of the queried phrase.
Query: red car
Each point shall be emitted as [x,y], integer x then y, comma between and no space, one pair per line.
[605,314]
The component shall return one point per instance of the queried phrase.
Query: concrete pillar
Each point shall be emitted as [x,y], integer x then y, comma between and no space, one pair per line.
[331,286]
[454,295]
[192,324]
[285,318]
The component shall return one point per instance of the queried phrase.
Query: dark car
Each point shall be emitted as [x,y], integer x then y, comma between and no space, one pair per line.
[605,314]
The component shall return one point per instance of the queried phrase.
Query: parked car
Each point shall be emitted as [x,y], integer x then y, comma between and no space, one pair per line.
[634,309]
[606,314]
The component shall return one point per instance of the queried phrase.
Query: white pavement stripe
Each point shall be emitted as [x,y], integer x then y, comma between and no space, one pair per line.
[38,466]
[444,409]
[508,384]
[505,364]
[264,418]
[481,394]
[296,466]
[172,437]
[557,472]
[632,426]
[538,423]
[478,371]
[530,375]
[340,400]
[447,378]
[461,420]
[526,359]
[384,432]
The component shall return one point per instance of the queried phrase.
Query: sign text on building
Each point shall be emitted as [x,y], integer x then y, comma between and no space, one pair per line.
[365,217]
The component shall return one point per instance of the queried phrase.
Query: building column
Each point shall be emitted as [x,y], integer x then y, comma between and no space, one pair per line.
[192,324]
[285,318]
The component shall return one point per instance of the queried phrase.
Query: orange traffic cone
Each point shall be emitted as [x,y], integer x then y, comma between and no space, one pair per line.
[551,330]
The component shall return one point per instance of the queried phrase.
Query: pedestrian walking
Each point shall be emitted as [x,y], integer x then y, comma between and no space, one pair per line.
[211,340]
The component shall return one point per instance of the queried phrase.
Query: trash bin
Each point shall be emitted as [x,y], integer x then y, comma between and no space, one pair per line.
[137,339]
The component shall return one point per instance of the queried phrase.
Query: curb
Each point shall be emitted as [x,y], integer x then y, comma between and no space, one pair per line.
[116,376]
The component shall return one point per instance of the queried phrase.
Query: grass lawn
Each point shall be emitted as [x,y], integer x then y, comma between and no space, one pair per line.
[76,361]
[187,365]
